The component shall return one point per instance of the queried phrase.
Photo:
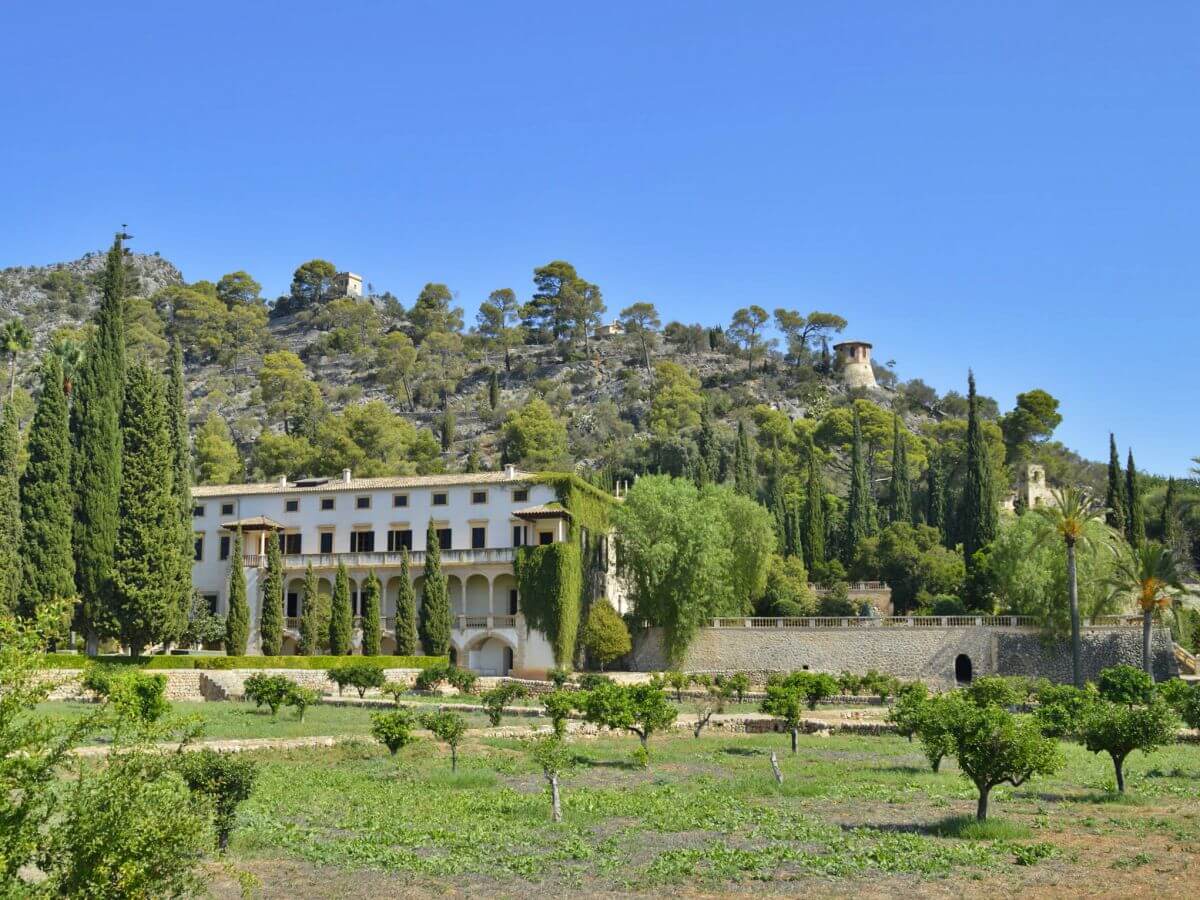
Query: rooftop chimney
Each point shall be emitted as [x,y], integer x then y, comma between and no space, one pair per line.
[510,472]
[346,475]
[283,481]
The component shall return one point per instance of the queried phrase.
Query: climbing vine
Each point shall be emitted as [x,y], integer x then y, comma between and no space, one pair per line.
[550,585]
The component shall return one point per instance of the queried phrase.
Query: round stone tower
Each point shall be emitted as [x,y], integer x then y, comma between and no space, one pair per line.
[854,362]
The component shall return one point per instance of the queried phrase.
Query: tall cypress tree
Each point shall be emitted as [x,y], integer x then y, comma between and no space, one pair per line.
[813,528]
[146,558]
[371,626]
[237,618]
[935,497]
[406,613]
[858,511]
[341,618]
[181,480]
[98,397]
[708,468]
[48,566]
[314,624]
[1168,522]
[435,604]
[270,615]
[980,516]
[901,488]
[744,480]
[1115,498]
[10,510]
[1135,525]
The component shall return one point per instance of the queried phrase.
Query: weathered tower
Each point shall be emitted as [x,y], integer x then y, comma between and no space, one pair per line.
[854,362]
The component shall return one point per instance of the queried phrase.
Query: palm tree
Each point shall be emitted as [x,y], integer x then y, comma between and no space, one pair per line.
[1150,574]
[15,337]
[70,353]
[1067,518]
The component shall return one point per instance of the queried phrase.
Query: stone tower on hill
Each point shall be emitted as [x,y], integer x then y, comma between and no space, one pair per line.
[854,363]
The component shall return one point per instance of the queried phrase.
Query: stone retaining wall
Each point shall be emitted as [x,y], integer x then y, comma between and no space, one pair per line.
[216,684]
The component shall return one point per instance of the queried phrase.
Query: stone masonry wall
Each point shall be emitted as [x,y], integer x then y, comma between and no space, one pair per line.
[217,684]
[928,654]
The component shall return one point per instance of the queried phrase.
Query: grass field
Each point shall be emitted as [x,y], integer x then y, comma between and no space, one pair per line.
[857,815]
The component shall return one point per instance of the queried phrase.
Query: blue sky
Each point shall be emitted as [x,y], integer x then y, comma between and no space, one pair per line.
[1011,187]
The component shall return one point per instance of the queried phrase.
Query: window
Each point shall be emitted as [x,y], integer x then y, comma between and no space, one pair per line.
[293,604]
[479,496]
[362,502]
[326,541]
[512,601]
[211,600]
[355,609]
[521,495]
[225,546]
[518,535]
[399,539]
[199,548]
[227,509]
[440,499]
[443,535]
[545,537]
[399,500]
[478,537]
[292,506]
[198,511]
[362,542]
[326,503]
[290,543]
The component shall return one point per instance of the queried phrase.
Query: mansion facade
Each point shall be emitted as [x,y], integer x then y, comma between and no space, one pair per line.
[367,523]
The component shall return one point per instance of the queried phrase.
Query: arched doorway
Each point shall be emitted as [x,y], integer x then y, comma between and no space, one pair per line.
[962,669]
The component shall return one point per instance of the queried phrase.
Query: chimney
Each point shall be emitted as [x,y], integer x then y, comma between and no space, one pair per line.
[510,472]
[346,475]
[283,481]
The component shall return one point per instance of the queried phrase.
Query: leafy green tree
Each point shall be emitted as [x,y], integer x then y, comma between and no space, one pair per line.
[800,329]
[449,728]
[98,397]
[314,619]
[45,492]
[238,288]
[912,560]
[1118,730]
[216,458]
[270,621]
[979,513]
[785,700]
[813,528]
[605,635]
[10,510]
[1135,523]
[146,562]
[1168,521]
[341,621]
[15,339]
[371,624]
[312,282]
[1126,685]
[1033,419]
[641,319]
[1115,501]
[226,780]
[745,480]
[746,330]
[1150,575]
[396,365]
[935,496]
[394,729]
[901,487]
[432,313]
[859,515]
[406,612]
[181,484]
[495,700]
[435,601]
[534,436]
[641,709]
[287,390]
[676,402]
[555,759]
[237,619]
[499,323]
[786,592]
[196,318]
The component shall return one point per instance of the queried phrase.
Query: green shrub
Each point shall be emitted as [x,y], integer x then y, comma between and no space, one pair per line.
[98,678]
[911,701]
[591,680]
[933,723]
[605,635]
[1061,708]
[559,705]
[1118,729]
[463,679]
[225,779]
[992,690]
[849,683]
[266,690]
[499,697]
[393,729]
[1125,684]
[641,709]
[301,698]
[947,605]
[558,677]
[813,686]
[287,662]
[882,686]
[139,697]
[394,689]
[449,728]
[360,673]
[739,683]
[1175,692]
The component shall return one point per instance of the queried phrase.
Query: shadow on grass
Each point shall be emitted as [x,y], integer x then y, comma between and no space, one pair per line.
[904,770]
[742,751]
[625,764]
[1096,797]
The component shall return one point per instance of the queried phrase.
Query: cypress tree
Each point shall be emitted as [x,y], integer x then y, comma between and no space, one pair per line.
[1168,523]
[98,397]
[813,530]
[371,626]
[45,492]
[858,511]
[270,615]
[708,467]
[980,517]
[1135,525]
[1115,499]
[935,499]
[314,624]
[447,429]
[181,479]
[435,605]
[406,613]
[10,510]
[237,618]
[341,620]
[494,390]
[901,489]
[744,480]
[146,559]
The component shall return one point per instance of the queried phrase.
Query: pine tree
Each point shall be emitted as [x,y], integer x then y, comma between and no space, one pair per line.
[270,616]
[1115,498]
[314,619]
[371,626]
[341,620]
[901,488]
[1135,525]
[744,480]
[980,516]
[45,496]
[98,397]
[237,619]
[813,530]
[181,471]
[10,510]
[435,605]
[1168,523]
[406,613]
[935,497]
[494,390]
[858,511]
[146,555]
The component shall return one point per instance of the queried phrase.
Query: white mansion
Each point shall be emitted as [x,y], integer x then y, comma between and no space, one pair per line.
[366,523]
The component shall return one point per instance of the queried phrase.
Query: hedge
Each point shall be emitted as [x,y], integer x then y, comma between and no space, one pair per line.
[78,661]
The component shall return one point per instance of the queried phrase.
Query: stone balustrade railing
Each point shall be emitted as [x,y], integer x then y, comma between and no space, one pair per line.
[910,622]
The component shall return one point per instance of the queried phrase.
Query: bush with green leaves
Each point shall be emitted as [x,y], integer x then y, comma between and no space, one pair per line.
[641,709]
[462,679]
[882,686]
[224,779]
[360,674]
[301,698]
[992,690]
[934,722]
[266,690]
[910,704]
[394,729]
[449,728]
[554,758]
[605,634]
[591,680]
[1061,707]
[1125,684]
[559,705]
[394,689]
[558,677]
[98,678]
[677,681]
[1183,697]
[849,683]
[139,697]
[1119,729]
[739,683]
[787,702]
[499,697]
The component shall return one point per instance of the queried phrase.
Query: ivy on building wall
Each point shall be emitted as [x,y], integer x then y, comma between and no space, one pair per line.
[550,586]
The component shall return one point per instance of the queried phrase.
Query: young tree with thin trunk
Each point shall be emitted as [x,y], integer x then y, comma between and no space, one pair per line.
[641,319]
[554,759]
[341,618]
[270,617]
[449,728]
[406,612]
[435,605]
[237,618]
[1119,729]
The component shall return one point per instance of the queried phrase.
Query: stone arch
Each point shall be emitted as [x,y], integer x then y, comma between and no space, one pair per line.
[290,646]
[454,587]
[502,588]
[419,594]
[295,586]
[963,670]
[391,593]
[490,654]
[477,596]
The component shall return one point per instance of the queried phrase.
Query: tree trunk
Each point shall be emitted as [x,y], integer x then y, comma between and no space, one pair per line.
[453,759]
[1073,600]
[645,352]
[775,768]
[795,738]
[12,375]
[1147,626]
[981,806]
[1119,765]
[555,802]
[91,643]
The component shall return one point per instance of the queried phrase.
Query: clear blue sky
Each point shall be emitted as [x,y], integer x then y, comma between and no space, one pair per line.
[1010,186]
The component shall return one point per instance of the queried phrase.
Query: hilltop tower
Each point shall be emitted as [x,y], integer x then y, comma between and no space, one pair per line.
[854,363]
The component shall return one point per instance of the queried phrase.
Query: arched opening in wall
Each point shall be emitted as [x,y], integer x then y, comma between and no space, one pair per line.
[962,669]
